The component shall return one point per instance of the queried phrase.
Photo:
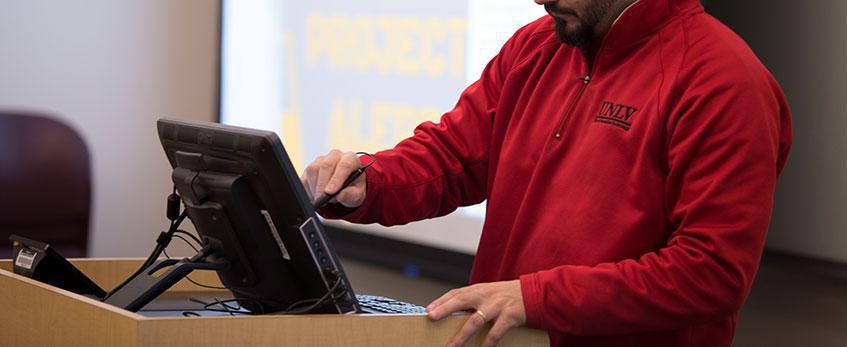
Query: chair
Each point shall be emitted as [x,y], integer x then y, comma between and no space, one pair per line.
[45,183]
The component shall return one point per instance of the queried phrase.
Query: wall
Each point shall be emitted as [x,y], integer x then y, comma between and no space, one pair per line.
[110,69]
[804,44]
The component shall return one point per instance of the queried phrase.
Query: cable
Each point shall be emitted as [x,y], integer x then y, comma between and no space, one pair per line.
[236,300]
[227,308]
[203,285]
[177,235]
[318,303]
[187,243]
[161,242]
[195,238]
[370,156]
[207,306]
[165,237]
[189,277]
[196,250]
[333,294]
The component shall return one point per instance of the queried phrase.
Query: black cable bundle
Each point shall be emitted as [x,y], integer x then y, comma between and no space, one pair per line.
[336,291]
[162,241]
[256,306]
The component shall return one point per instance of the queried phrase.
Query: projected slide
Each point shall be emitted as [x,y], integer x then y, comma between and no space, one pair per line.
[360,76]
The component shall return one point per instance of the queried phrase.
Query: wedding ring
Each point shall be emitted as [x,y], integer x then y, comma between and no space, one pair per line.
[484,318]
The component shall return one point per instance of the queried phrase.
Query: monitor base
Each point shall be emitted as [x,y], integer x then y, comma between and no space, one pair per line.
[145,287]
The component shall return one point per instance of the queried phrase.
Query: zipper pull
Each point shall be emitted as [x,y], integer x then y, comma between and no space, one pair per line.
[585,79]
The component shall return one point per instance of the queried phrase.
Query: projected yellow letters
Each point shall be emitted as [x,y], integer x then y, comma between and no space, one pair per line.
[402,45]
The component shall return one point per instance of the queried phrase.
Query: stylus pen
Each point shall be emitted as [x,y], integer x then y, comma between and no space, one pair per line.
[325,198]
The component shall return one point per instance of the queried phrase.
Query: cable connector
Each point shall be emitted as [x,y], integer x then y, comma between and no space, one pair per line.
[173,206]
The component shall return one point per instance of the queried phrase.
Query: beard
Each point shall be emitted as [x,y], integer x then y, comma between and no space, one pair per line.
[582,35]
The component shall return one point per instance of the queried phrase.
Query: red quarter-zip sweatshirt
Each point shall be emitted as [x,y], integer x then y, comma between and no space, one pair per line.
[631,200]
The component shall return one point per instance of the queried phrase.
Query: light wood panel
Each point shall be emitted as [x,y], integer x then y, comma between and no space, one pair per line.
[40,315]
[36,314]
[319,330]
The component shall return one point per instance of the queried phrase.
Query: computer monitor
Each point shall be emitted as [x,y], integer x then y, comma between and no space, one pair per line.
[247,203]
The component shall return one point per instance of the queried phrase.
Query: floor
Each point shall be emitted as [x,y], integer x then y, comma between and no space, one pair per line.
[793,302]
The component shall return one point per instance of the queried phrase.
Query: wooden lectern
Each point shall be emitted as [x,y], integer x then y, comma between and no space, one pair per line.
[36,314]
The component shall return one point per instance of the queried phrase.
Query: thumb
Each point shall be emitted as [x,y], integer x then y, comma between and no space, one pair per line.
[351,197]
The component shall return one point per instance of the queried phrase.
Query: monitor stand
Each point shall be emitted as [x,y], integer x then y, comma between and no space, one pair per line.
[148,285]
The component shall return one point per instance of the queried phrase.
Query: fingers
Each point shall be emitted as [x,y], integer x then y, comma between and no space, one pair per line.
[504,322]
[473,325]
[318,173]
[346,164]
[501,303]
[327,174]
[326,168]
[442,299]
[452,301]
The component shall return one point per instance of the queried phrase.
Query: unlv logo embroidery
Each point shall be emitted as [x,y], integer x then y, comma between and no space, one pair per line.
[616,114]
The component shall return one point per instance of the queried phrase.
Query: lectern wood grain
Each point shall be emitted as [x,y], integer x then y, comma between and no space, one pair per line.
[36,314]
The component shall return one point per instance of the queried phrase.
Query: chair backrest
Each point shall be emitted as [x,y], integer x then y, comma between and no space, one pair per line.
[45,183]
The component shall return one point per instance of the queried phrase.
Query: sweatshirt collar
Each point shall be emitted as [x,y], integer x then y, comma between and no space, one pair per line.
[636,23]
[643,18]
[624,11]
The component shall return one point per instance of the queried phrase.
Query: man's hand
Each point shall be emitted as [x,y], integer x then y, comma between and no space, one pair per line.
[500,302]
[327,173]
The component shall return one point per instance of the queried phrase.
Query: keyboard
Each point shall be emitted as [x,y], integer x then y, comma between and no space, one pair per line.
[381,304]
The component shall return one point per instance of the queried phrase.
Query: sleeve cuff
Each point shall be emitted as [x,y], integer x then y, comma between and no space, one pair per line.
[533,301]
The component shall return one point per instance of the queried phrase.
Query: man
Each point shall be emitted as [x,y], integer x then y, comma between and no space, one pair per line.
[628,151]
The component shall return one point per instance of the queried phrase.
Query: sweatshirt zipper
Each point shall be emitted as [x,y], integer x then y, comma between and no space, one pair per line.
[587,78]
